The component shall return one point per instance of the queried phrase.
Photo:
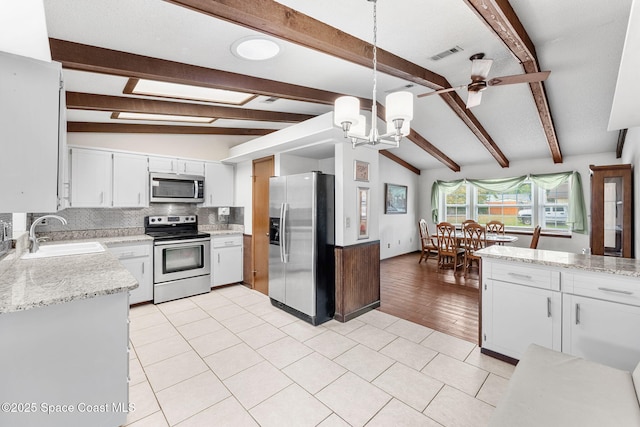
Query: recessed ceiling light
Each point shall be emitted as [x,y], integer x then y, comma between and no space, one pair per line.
[161,117]
[180,91]
[255,48]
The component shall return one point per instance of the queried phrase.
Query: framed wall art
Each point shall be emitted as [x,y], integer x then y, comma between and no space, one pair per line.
[395,199]
[360,171]
[363,213]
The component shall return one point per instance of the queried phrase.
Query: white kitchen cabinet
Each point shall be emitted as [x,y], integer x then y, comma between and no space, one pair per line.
[226,259]
[136,257]
[601,319]
[218,184]
[174,165]
[31,126]
[520,306]
[74,354]
[130,180]
[91,175]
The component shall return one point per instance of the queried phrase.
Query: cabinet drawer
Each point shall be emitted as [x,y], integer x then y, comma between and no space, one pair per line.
[524,275]
[130,251]
[227,240]
[602,286]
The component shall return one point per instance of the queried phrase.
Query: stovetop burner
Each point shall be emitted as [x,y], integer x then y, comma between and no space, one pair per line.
[175,227]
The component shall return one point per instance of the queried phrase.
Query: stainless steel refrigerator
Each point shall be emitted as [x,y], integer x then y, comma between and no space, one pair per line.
[301,249]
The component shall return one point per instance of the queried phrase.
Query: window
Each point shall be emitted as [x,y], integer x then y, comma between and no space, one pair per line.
[521,208]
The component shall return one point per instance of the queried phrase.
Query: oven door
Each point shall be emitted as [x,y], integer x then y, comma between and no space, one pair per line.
[181,259]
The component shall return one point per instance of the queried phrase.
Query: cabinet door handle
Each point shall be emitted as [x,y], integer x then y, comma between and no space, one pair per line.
[522,276]
[218,258]
[139,198]
[143,268]
[577,314]
[548,306]
[210,199]
[617,291]
[101,197]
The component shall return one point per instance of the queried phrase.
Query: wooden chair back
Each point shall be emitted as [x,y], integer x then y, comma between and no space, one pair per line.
[447,242]
[426,240]
[467,221]
[535,237]
[475,237]
[495,227]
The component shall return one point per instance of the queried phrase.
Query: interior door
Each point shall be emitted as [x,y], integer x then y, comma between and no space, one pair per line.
[262,170]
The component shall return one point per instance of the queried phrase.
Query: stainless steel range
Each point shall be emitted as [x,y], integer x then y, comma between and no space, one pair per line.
[181,257]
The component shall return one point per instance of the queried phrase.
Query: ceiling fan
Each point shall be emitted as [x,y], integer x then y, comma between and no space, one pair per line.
[479,71]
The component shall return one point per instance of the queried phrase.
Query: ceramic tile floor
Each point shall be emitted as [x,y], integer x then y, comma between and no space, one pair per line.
[229,358]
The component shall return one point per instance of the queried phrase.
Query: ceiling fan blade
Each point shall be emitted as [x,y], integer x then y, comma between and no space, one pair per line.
[519,78]
[436,92]
[480,68]
[474,98]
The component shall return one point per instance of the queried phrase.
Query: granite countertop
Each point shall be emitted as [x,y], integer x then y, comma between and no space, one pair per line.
[32,283]
[595,263]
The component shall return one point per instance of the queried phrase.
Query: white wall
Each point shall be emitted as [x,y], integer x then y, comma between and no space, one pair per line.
[536,166]
[205,147]
[244,192]
[631,154]
[287,164]
[346,194]
[398,232]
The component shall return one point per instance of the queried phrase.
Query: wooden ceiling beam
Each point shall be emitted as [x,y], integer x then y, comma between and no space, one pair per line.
[389,155]
[93,102]
[277,20]
[106,61]
[92,127]
[500,17]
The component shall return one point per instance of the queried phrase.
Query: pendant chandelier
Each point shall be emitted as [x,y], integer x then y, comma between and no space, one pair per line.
[398,110]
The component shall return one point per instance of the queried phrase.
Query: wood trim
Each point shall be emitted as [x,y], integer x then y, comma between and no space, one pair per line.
[247,259]
[93,102]
[277,20]
[500,18]
[389,155]
[357,279]
[499,356]
[622,137]
[92,127]
[77,56]
[431,149]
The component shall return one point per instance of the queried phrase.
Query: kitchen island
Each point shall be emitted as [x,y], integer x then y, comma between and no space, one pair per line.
[584,305]
[64,334]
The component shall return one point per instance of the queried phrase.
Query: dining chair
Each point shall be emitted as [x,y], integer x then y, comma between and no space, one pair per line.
[468,221]
[535,237]
[495,227]
[475,238]
[428,243]
[449,253]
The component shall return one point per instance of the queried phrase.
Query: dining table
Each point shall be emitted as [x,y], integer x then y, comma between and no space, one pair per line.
[492,238]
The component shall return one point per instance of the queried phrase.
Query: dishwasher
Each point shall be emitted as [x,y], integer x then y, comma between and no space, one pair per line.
[226,259]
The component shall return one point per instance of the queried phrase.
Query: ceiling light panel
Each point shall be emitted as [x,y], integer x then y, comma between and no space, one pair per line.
[180,91]
[161,117]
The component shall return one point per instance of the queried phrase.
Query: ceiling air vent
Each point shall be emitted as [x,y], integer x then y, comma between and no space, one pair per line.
[270,100]
[446,53]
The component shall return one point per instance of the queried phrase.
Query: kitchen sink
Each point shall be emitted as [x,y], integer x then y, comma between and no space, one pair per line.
[63,249]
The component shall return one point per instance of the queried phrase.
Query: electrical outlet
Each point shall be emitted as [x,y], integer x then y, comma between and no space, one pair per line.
[44,221]
[347,222]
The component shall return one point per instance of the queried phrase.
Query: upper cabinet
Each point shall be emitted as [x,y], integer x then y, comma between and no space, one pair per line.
[130,180]
[90,178]
[612,210]
[104,179]
[218,184]
[30,127]
[171,165]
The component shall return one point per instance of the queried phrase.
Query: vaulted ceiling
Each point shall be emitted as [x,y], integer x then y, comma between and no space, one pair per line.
[326,52]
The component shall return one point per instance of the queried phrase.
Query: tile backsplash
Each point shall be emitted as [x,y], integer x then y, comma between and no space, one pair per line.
[123,218]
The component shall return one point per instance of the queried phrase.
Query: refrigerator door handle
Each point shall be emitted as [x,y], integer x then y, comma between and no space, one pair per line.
[283,233]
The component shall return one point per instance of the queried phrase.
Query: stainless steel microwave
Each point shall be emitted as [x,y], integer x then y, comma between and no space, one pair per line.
[173,188]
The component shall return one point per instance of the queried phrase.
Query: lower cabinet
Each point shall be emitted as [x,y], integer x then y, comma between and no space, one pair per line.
[587,314]
[226,259]
[515,316]
[605,331]
[136,257]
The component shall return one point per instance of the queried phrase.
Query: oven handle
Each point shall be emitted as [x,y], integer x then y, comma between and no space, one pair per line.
[173,242]
[195,189]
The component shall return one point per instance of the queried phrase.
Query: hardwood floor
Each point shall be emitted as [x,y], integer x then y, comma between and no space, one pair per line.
[436,299]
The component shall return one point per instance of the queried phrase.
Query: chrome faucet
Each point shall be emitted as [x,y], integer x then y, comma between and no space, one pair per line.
[32,231]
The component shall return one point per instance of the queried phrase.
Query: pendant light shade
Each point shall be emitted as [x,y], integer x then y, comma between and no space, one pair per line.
[346,110]
[399,105]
